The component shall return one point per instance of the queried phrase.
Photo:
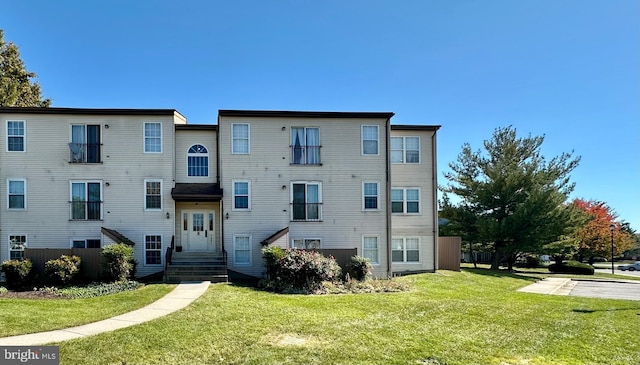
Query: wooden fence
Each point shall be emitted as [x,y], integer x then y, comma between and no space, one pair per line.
[90,264]
[342,255]
[449,253]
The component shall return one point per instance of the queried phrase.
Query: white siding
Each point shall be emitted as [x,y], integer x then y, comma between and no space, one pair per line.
[122,172]
[184,140]
[268,168]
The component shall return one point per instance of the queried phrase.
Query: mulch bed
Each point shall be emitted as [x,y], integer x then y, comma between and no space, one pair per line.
[30,294]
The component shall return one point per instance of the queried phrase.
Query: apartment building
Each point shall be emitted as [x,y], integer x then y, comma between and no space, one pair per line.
[85,178]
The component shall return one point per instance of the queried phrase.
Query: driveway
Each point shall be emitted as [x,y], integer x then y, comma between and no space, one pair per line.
[593,288]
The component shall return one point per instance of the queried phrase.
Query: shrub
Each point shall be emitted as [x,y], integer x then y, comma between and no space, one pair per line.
[271,256]
[572,267]
[118,261]
[303,271]
[3,290]
[63,269]
[18,272]
[359,268]
[94,290]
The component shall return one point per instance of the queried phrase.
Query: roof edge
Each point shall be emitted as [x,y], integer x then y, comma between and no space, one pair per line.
[414,127]
[302,114]
[90,111]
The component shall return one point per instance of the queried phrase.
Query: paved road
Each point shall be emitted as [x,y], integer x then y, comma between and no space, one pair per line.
[607,289]
[620,272]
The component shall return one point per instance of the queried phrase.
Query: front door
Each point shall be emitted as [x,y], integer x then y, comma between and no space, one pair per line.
[200,227]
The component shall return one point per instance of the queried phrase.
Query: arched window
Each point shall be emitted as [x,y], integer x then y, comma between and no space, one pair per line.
[198,161]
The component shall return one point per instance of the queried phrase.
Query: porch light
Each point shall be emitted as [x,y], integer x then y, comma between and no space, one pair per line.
[227,215]
[168,216]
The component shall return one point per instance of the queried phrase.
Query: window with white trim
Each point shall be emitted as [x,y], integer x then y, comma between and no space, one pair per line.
[241,195]
[306,201]
[242,249]
[306,243]
[153,250]
[17,194]
[86,243]
[370,139]
[15,136]
[152,137]
[153,194]
[405,249]
[405,200]
[17,244]
[405,149]
[305,146]
[370,195]
[370,248]
[86,200]
[198,161]
[240,139]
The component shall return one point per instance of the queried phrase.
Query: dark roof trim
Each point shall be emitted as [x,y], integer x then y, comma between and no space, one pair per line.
[90,111]
[196,127]
[414,127]
[116,236]
[196,192]
[274,237]
[302,114]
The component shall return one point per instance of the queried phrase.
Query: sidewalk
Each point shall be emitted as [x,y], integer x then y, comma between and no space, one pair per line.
[183,295]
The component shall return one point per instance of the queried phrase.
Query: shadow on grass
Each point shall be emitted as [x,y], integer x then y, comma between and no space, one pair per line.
[605,310]
[501,274]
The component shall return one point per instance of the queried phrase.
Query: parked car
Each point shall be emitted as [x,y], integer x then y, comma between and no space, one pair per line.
[631,267]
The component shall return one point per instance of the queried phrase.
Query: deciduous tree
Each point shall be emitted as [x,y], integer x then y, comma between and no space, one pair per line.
[518,196]
[16,85]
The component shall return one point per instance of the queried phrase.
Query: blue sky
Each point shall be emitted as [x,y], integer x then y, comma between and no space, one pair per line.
[568,70]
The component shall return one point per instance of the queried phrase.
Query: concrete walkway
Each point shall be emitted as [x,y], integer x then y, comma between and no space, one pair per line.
[593,288]
[183,295]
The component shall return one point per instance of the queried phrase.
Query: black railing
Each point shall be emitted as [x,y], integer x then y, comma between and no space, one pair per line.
[86,210]
[306,212]
[84,152]
[305,155]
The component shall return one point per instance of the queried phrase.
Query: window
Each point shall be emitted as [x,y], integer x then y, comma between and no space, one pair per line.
[88,243]
[198,161]
[85,143]
[370,248]
[240,139]
[305,146]
[153,137]
[242,249]
[370,193]
[405,249]
[306,200]
[17,192]
[369,139]
[241,195]
[153,250]
[15,136]
[405,149]
[86,200]
[405,200]
[17,244]
[306,243]
[153,194]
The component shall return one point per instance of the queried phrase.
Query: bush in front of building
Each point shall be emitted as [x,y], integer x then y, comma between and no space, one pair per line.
[63,269]
[119,262]
[301,271]
[360,268]
[272,255]
[572,267]
[19,273]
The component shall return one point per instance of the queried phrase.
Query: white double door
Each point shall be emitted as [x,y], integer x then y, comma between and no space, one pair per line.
[198,229]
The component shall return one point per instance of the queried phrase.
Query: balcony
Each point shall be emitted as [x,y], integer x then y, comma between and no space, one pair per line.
[86,210]
[306,212]
[305,155]
[84,153]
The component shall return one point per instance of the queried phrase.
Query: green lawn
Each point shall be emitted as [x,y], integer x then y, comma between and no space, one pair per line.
[21,316]
[471,317]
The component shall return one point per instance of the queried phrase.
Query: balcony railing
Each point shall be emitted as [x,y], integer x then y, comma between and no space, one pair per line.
[84,152]
[86,210]
[305,155]
[306,212]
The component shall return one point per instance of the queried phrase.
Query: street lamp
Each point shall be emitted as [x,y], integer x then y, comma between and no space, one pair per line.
[611,228]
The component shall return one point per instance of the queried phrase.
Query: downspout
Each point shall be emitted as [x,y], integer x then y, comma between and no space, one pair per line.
[434,188]
[388,189]
[220,187]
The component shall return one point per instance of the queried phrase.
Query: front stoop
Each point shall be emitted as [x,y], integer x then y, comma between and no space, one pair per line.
[197,266]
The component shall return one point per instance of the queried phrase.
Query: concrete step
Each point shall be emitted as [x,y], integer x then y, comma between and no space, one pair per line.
[196,277]
[171,270]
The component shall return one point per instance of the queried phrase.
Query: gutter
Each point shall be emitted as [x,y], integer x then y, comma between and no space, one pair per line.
[434,178]
[388,188]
